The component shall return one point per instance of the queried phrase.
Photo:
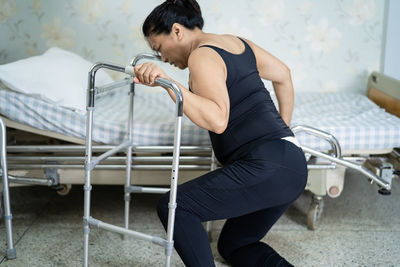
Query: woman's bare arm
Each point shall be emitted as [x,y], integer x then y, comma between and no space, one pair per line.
[208,105]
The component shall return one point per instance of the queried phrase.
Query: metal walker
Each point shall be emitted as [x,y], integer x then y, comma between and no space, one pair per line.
[91,161]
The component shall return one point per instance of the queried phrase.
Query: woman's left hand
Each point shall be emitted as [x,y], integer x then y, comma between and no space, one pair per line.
[147,73]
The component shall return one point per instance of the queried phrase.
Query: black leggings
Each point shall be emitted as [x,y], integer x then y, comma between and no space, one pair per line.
[252,193]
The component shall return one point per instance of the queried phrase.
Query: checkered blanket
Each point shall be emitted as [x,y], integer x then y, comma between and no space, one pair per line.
[352,118]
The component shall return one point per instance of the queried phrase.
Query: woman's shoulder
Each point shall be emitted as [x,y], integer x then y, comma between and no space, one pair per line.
[203,51]
[226,42]
[203,56]
[205,60]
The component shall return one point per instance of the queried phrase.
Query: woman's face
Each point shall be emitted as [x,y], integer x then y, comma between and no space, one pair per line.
[169,48]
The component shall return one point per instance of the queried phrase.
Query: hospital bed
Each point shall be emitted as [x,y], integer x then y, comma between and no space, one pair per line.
[50,144]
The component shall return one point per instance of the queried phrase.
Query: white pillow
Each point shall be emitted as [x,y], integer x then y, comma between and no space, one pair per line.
[57,75]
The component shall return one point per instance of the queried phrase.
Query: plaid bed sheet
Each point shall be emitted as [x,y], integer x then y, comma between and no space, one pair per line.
[357,122]
[352,118]
[154,117]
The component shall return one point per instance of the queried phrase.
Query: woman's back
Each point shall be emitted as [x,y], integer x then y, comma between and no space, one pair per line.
[253,115]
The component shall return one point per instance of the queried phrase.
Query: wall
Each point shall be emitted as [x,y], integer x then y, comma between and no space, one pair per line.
[391,57]
[329,45]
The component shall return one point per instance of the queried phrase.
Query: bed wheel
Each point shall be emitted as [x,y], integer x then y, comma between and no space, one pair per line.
[64,189]
[314,213]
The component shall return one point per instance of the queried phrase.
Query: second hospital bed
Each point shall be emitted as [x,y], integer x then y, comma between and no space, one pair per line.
[46,140]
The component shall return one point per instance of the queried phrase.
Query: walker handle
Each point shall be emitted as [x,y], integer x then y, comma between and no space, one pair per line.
[130,70]
[160,81]
[166,83]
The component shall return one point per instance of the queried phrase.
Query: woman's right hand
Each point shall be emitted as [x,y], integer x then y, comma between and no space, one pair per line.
[147,73]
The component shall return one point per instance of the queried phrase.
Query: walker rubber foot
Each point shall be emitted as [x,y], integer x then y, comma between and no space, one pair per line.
[384,192]
[11,254]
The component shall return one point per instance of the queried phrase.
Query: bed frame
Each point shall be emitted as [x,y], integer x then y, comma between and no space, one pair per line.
[385,92]
[59,161]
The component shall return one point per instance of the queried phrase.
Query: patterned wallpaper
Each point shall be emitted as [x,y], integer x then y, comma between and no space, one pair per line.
[330,45]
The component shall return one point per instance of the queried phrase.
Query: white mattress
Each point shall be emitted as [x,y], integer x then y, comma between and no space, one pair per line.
[353,119]
[357,122]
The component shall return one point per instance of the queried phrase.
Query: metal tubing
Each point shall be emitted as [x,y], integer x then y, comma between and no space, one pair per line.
[109,87]
[31,181]
[144,56]
[171,148]
[163,82]
[337,159]
[117,229]
[143,189]
[107,167]
[325,135]
[11,252]
[67,148]
[111,159]
[111,152]
[177,91]
[349,164]
[91,93]
[174,184]
[87,188]
[176,154]
[89,164]
[322,166]
[55,148]
[129,156]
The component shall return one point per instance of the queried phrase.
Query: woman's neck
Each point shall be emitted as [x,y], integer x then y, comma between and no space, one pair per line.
[197,37]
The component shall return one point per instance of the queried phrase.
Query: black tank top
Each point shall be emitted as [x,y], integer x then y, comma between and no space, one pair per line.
[253,115]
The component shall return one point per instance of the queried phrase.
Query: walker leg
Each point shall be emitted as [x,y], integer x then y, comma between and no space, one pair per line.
[208,229]
[87,187]
[86,229]
[172,196]
[127,185]
[11,252]
[168,263]
[129,158]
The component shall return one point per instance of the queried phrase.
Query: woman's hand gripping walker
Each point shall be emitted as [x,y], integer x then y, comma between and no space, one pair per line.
[157,77]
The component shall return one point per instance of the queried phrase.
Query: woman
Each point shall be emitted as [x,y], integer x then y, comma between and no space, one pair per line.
[263,169]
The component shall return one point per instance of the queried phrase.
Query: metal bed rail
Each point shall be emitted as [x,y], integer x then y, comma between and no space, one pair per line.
[62,157]
[193,158]
[74,148]
[337,154]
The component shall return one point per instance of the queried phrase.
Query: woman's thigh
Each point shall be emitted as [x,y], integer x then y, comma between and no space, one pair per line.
[242,187]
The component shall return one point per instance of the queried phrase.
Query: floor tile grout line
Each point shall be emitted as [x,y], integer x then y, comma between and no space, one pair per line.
[30,225]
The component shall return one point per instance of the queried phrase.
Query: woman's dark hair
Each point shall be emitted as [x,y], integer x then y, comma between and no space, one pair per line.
[184,12]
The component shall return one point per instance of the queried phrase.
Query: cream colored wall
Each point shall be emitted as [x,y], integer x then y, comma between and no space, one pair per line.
[329,45]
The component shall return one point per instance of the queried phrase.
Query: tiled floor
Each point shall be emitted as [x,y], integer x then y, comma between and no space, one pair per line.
[360,228]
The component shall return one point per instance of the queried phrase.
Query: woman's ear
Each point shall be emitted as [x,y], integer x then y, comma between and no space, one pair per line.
[177,30]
